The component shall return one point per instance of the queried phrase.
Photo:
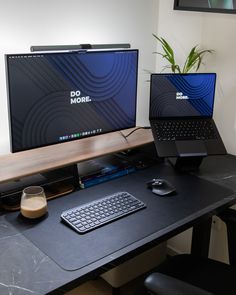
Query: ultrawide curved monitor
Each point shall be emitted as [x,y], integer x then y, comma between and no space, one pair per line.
[62,96]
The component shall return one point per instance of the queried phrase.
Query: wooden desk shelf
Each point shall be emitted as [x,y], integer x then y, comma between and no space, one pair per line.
[21,164]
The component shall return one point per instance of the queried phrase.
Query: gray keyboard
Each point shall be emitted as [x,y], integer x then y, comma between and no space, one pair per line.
[92,215]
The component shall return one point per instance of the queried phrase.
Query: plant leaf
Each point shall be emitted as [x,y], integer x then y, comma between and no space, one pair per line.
[193,60]
[168,53]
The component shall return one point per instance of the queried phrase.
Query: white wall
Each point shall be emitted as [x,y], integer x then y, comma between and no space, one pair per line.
[183,30]
[50,22]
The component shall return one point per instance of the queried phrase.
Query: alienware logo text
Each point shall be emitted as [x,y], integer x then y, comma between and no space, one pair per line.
[180,95]
[75,97]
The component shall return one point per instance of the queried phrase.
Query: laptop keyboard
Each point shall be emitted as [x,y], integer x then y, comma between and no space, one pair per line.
[169,130]
[99,212]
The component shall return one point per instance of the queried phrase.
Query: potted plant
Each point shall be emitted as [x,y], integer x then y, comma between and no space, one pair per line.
[193,60]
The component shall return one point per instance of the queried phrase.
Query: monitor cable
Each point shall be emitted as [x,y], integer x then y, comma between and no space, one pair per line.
[137,128]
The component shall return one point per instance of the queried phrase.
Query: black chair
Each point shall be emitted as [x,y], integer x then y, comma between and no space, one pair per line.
[190,275]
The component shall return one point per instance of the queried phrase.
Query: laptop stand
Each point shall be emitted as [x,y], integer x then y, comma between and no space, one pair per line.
[186,164]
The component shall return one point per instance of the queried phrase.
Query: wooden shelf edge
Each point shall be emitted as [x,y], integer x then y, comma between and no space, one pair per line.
[21,164]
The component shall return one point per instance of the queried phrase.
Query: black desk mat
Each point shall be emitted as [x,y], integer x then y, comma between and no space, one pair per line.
[73,251]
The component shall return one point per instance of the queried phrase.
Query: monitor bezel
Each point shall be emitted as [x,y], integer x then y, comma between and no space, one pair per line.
[6,57]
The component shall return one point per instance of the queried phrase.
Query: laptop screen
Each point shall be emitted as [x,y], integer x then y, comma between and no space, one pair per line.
[182,95]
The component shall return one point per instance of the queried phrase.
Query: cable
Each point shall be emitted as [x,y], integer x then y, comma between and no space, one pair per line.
[137,128]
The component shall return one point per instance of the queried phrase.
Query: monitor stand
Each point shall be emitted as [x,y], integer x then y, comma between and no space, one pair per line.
[186,164]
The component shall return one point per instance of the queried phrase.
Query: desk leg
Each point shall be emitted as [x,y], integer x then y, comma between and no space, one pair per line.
[201,238]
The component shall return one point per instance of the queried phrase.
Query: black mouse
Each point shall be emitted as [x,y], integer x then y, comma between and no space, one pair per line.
[161,187]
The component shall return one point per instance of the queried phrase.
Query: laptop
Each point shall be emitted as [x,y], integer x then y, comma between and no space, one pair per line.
[180,114]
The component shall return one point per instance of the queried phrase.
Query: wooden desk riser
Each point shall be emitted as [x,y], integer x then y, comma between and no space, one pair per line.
[17,165]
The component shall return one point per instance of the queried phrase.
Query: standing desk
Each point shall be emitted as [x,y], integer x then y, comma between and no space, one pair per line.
[27,267]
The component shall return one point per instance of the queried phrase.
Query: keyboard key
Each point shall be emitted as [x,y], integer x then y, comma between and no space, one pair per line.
[184,130]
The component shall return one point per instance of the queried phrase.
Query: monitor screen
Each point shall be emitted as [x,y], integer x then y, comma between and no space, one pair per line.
[182,95]
[62,96]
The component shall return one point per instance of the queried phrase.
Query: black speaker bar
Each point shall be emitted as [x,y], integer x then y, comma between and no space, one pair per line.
[78,47]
